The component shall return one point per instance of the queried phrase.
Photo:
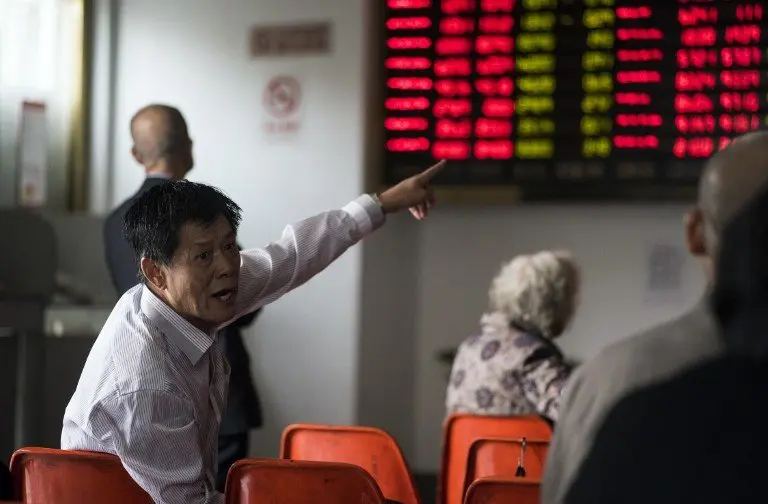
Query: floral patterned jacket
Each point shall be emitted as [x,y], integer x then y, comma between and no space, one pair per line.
[503,371]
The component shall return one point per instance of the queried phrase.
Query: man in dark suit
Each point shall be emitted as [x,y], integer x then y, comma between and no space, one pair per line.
[730,180]
[161,144]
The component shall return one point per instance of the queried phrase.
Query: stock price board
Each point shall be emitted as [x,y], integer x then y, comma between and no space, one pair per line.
[571,98]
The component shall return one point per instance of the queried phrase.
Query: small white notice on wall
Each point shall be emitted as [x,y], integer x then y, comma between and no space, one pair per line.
[664,273]
[282,102]
[32,163]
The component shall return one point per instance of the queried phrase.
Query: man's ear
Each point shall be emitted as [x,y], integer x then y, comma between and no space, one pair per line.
[136,155]
[695,234]
[153,273]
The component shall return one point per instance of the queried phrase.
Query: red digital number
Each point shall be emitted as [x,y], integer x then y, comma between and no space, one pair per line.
[753,12]
[695,81]
[497,5]
[453,88]
[495,87]
[502,149]
[633,99]
[450,150]
[453,7]
[689,16]
[698,124]
[492,128]
[405,123]
[453,45]
[638,77]
[407,144]
[639,34]
[452,108]
[740,56]
[642,12]
[693,147]
[638,120]
[636,142]
[693,104]
[495,65]
[740,79]
[410,103]
[702,36]
[453,67]
[736,102]
[743,34]
[696,58]
[631,55]
[410,83]
[487,44]
[456,26]
[409,4]
[498,107]
[405,63]
[496,24]
[409,43]
[409,23]
[447,128]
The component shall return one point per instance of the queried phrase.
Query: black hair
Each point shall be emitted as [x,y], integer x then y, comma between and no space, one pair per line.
[153,222]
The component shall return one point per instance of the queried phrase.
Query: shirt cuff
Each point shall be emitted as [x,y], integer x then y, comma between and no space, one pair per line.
[366,212]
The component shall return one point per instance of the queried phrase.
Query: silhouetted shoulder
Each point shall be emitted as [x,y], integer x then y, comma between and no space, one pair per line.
[698,437]
[657,353]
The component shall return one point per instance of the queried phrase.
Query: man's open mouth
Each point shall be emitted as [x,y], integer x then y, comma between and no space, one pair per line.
[224,295]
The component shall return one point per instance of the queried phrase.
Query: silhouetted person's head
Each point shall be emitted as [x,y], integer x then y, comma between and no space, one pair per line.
[185,236]
[740,296]
[731,178]
[161,141]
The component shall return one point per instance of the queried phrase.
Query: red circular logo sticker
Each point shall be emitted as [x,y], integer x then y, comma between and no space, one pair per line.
[282,96]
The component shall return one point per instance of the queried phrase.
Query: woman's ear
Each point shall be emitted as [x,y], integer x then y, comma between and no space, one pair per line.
[695,233]
[153,273]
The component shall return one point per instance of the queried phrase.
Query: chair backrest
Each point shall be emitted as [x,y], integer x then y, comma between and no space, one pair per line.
[460,431]
[267,481]
[503,491]
[498,457]
[372,449]
[44,475]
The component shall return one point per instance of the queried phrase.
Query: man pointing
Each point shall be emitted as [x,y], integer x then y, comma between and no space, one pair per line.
[154,385]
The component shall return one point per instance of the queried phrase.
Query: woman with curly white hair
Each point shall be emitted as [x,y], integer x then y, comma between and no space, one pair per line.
[513,367]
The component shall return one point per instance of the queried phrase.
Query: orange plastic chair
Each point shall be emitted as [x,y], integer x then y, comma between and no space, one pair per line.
[267,481]
[372,449]
[45,476]
[503,491]
[461,430]
[498,457]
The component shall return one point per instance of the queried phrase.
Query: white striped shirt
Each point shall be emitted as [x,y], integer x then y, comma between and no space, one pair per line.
[154,386]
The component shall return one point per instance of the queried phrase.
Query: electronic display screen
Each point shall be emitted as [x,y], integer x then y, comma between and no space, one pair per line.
[570,98]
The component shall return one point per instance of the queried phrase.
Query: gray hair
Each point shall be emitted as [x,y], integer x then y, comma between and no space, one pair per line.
[537,292]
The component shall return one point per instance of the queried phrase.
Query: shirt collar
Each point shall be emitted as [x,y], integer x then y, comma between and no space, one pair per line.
[159,175]
[190,340]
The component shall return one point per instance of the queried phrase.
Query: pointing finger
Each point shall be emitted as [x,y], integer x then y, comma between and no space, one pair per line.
[432,171]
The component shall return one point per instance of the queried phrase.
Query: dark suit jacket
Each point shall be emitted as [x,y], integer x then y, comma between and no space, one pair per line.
[243,406]
[6,483]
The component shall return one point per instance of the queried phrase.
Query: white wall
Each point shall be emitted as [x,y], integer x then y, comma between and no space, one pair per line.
[193,54]
[357,344]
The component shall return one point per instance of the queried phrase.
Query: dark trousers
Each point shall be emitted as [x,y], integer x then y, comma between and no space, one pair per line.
[6,485]
[232,448]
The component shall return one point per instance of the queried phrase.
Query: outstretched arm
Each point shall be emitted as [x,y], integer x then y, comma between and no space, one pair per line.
[310,246]
[304,250]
